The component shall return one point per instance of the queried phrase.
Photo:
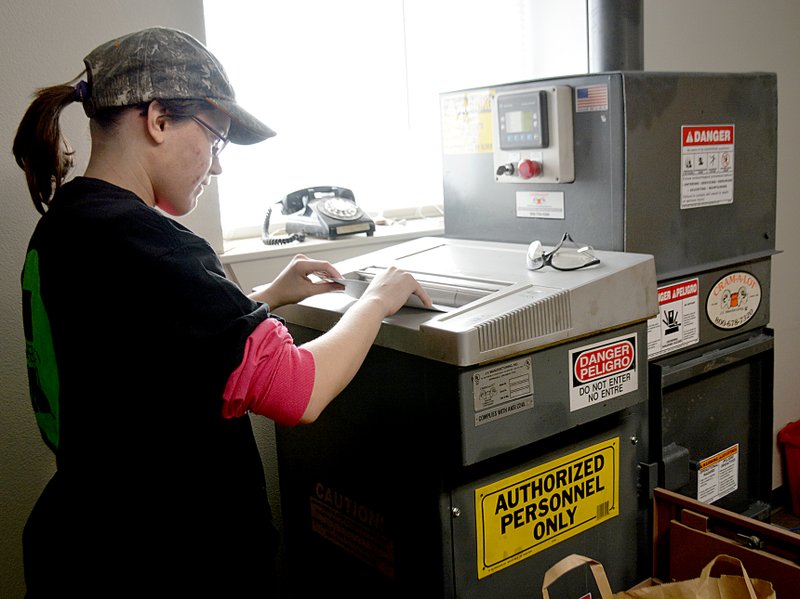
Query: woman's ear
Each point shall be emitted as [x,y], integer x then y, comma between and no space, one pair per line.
[157,121]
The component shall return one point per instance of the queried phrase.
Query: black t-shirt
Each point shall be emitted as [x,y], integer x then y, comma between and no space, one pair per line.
[144,330]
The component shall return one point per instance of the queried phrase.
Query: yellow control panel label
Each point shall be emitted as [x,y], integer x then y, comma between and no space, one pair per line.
[467,122]
[528,512]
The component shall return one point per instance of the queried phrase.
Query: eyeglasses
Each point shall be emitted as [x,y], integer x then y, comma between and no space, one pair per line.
[221,140]
[567,255]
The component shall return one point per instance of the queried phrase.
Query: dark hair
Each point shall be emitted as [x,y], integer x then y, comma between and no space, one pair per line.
[46,156]
[39,147]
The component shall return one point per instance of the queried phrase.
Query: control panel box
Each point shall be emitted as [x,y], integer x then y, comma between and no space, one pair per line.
[533,135]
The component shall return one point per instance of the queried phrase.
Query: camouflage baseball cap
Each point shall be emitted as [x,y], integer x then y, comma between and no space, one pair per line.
[168,64]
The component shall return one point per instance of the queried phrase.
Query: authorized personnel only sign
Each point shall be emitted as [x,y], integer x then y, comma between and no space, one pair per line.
[706,165]
[523,514]
[602,371]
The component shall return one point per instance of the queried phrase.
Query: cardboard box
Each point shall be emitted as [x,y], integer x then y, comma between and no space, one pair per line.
[687,534]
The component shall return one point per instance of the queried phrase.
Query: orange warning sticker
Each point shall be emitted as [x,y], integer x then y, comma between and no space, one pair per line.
[718,475]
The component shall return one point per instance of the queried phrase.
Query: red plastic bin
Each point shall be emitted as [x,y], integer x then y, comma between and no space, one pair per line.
[789,443]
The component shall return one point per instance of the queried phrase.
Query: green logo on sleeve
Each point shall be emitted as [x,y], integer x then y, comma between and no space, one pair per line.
[41,357]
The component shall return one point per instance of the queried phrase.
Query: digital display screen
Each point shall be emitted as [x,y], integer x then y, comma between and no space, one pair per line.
[519,121]
[522,118]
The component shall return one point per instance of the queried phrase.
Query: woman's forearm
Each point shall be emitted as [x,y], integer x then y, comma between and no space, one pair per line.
[339,353]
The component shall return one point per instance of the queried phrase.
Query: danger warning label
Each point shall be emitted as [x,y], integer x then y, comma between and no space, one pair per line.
[706,165]
[602,371]
[676,325]
[528,512]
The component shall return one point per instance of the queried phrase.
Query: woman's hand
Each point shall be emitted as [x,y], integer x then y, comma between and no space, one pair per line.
[392,288]
[339,353]
[293,284]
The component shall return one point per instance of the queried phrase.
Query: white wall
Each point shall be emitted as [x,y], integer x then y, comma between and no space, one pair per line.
[43,42]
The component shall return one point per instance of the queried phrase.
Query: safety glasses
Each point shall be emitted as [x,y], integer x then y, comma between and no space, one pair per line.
[220,140]
[566,255]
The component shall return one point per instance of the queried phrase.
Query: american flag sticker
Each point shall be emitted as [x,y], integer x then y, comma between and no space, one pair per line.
[591,97]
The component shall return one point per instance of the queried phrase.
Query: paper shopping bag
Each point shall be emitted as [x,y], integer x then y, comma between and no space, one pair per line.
[704,587]
[573,561]
[707,586]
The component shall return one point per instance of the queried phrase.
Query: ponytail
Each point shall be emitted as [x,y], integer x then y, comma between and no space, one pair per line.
[39,146]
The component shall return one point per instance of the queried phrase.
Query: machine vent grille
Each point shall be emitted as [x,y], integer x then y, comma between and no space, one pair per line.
[544,317]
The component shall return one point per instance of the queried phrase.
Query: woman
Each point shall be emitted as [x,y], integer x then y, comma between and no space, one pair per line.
[144,360]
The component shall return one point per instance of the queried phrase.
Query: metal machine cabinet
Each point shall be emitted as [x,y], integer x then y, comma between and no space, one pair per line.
[710,410]
[711,380]
[642,147]
[479,444]
[377,496]
[456,462]
[678,165]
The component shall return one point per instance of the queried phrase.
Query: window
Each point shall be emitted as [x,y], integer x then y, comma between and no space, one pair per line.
[352,89]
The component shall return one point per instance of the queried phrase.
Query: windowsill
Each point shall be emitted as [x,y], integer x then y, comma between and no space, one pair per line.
[246,250]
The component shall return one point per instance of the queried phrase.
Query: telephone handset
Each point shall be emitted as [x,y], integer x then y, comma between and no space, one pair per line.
[327,212]
[298,200]
[323,211]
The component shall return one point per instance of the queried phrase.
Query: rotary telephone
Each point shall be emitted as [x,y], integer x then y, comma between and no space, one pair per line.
[328,212]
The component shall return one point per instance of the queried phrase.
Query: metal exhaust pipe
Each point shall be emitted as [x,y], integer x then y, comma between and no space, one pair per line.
[616,32]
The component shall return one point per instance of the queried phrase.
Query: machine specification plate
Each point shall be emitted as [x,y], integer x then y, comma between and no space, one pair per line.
[602,371]
[525,513]
[706,165]
[676,325]
[502,390]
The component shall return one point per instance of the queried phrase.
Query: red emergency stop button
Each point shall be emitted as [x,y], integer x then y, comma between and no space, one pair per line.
[529,168]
